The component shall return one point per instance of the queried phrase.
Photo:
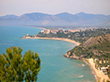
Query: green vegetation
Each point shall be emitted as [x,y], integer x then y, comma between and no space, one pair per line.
[77,36]
[95,47]
[59,35]
[95,44]
[16,67]
[109,71]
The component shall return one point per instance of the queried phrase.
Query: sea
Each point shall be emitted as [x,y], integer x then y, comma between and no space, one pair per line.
[54,67]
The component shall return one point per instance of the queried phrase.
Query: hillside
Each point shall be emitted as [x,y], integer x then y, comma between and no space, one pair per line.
[77,35]
[61,19]
[95,47]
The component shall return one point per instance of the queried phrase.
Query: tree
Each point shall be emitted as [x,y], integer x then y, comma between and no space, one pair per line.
[16,67]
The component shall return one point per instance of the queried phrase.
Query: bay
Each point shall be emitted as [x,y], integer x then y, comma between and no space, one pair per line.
[55,68]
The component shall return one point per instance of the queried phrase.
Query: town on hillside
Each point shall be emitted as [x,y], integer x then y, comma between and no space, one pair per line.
[75,34]
[55,31]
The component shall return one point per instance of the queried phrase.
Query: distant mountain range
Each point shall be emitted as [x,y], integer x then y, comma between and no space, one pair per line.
[62,19]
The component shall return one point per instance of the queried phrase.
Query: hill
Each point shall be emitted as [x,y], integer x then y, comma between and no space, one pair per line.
[8,17]
[61,19]
[95,47]
[98,49]
[77,35]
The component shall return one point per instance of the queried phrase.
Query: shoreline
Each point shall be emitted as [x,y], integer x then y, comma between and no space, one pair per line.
[93,72]
[37,27]
[99,75]
[63,39]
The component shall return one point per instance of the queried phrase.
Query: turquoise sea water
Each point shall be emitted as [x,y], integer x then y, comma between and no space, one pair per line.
[55,68]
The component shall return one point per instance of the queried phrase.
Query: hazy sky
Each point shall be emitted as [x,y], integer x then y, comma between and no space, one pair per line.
[19,7]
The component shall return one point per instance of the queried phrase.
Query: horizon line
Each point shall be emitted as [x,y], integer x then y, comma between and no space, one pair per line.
[52,14]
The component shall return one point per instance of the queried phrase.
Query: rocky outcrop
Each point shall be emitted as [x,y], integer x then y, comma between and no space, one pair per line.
[73,56]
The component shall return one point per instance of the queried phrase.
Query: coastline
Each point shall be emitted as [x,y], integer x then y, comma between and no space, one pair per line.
[63,39]
[100,76]
[37,27]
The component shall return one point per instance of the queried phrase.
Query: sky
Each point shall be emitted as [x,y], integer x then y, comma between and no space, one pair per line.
[19,7]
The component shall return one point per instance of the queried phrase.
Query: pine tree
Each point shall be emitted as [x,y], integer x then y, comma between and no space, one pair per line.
[16,67]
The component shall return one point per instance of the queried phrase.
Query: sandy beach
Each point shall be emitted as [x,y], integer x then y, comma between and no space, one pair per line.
[99,74]
[64,39]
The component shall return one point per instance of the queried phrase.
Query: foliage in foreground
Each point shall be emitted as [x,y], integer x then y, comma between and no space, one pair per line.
[16,67]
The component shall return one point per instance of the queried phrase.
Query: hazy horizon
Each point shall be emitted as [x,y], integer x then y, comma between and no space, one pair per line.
[54,6]
[52,14]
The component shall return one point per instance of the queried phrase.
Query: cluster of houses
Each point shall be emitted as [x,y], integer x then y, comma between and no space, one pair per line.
[55,31]
[47,31]
[104,68]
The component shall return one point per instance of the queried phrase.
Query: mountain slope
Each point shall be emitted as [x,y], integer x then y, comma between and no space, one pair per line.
[98,47]
[67,17]
[8,17]
[62,19]
[33,16]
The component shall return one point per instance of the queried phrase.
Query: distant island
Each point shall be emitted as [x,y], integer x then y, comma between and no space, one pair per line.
[93,46]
